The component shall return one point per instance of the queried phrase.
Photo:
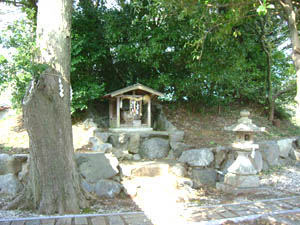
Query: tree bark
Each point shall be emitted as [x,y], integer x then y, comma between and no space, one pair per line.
[54,183]
[267,50]
[290,14]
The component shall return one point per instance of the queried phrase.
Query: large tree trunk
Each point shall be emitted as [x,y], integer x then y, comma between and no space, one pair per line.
[53,185]
[290,15]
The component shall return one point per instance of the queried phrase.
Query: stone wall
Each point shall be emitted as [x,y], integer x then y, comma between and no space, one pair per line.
[102,172]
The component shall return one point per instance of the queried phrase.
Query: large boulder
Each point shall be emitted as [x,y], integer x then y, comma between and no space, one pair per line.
[203,177]
[220,155]
[154,148]
[270,152]
[197,157]
[285,147]
[160,121]
[134,143]
[9,184]
[88,187]
[119,140]
[96,166]
[178,148]
[107,188]
[9,164]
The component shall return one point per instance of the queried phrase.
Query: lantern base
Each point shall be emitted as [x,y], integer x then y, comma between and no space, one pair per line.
[238,190]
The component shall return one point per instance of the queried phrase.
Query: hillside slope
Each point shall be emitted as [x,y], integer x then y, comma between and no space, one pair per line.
[206,128]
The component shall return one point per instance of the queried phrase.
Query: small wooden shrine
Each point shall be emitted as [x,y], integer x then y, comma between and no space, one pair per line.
[130,107]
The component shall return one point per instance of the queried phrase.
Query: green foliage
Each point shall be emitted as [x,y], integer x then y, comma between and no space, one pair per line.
[194,51]
[18,69]
[83,92]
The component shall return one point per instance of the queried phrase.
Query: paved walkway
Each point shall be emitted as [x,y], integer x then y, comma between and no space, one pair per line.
[283,210]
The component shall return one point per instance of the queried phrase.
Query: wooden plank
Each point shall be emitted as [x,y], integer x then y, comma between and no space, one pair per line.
[118,112]
[110,112]
[149,113]
[134,87]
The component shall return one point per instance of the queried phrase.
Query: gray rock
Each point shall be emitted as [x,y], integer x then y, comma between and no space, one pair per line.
[121,154]
[203,177]
[87,186]
[134,143]
[24,172]
[107,188]
[171,155]
[285,161]
[169,126]
[270,152]
[220,156]
[9,184]
[197,157]
[102,136]
[160,120]
[9,164]
[297,142]
[21,157]
[105,147]
[89,123]
[227,163]
[154,148]
[178,169]
[178,148]
[257,161]
[119,140]
[295,154]
[95,143]
[96,166]
[285,146]
[176,136]
[265,166]
[136,157]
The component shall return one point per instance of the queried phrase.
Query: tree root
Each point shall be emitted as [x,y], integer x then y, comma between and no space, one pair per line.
[21,201]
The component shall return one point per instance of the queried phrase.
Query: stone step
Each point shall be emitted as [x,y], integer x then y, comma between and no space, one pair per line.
[152,168]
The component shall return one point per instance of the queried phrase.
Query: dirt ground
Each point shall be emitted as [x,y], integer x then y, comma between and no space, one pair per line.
[206,128]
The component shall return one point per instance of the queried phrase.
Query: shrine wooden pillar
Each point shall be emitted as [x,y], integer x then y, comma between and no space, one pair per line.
[118,112]
[149,113]
[110,112]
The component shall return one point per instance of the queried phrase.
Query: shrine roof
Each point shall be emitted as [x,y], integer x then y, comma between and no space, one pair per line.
[132,88]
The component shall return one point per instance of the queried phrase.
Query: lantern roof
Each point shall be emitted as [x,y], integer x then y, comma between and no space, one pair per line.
[245,124]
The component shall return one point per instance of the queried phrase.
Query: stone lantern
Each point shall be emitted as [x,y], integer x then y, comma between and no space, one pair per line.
[242,174]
